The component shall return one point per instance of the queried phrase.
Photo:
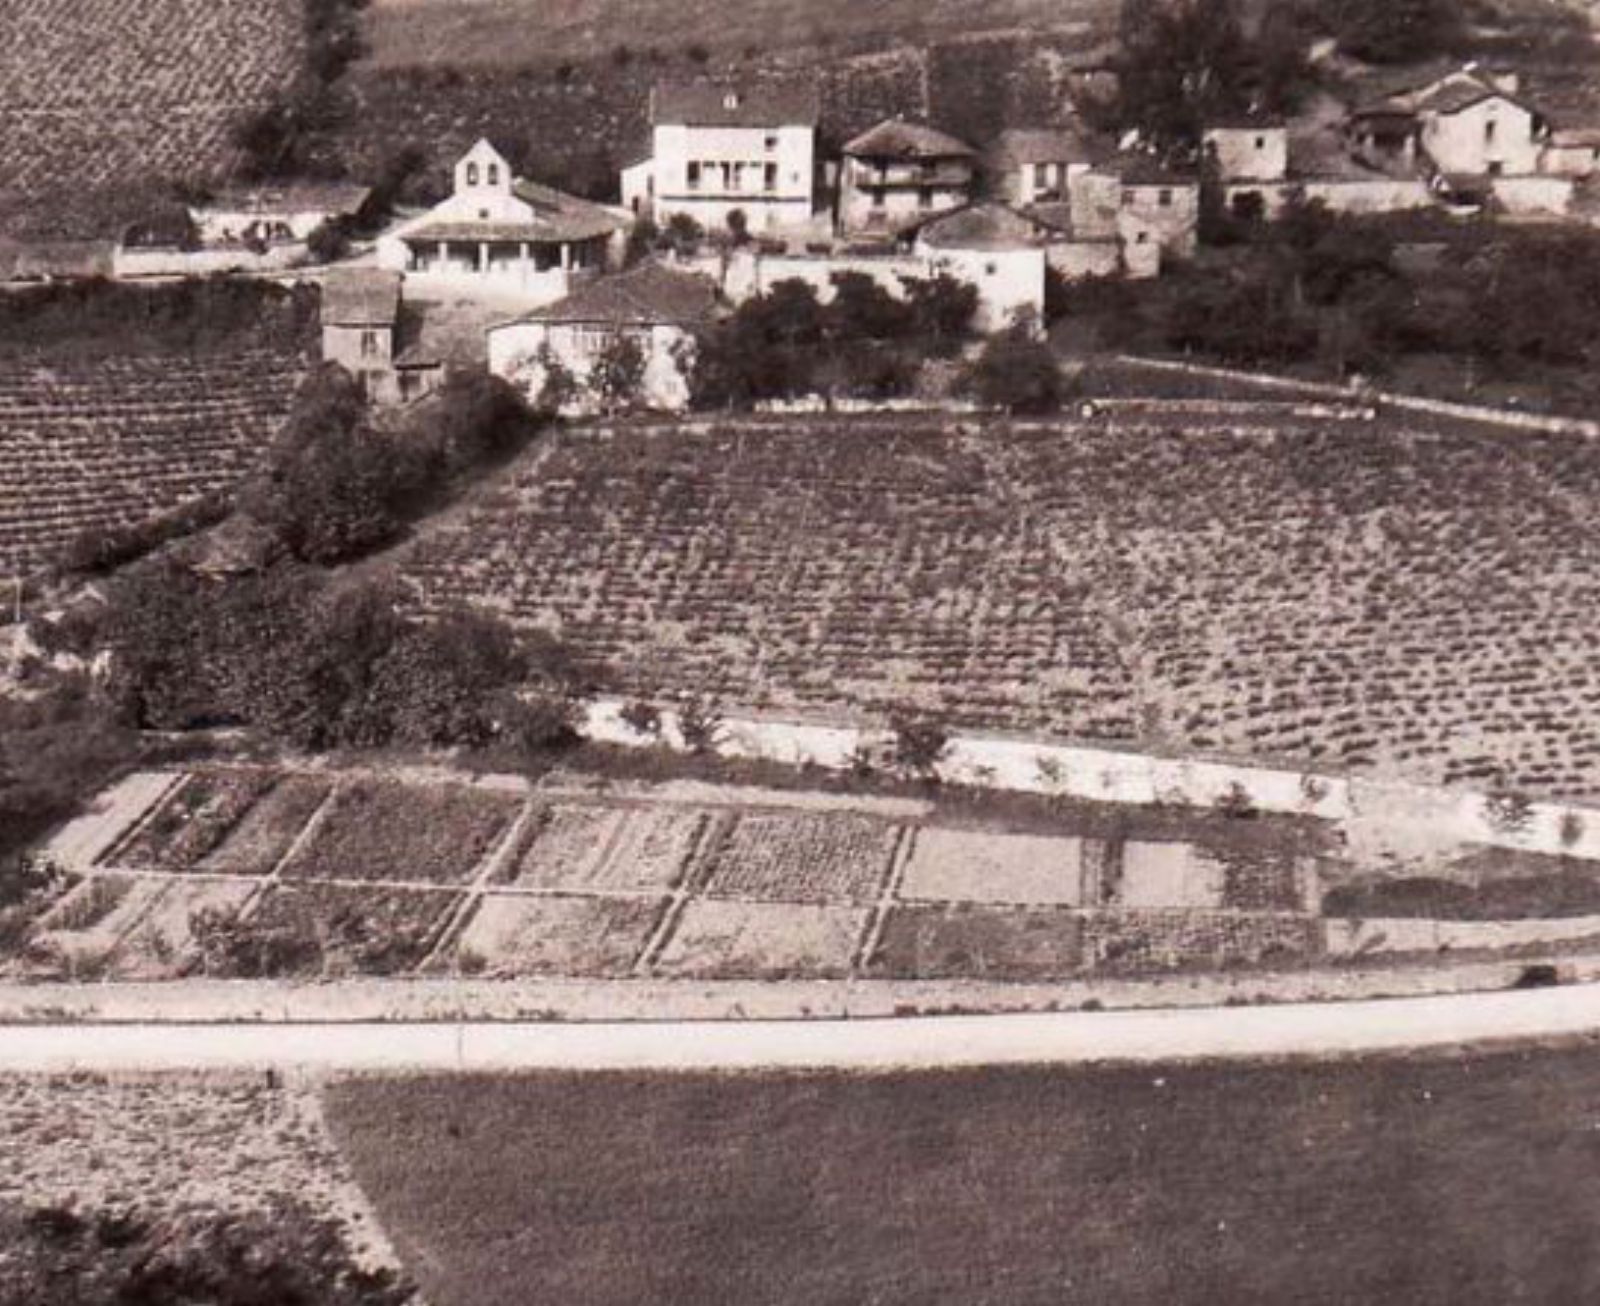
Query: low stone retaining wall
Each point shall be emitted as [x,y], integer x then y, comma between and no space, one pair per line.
[1108,775]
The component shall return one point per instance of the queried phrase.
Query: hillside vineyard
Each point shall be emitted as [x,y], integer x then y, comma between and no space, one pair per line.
[1331,593]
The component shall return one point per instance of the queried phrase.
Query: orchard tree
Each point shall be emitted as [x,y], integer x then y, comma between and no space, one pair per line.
[616,377]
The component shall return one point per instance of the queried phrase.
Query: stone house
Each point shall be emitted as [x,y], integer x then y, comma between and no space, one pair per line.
[501,237]
[655,306]
[1032,165]
[1468,123]
[716,149]
[1159,199]
[361,324]
[900,173]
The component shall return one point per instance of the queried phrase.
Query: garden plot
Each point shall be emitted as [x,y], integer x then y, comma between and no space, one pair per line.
[382,830]
[267,831]
[764,940]
[978,942]
[1135,941]
[193,820]
[789,857]
[86,838]
[1169,874]
[80,932]
[976,866]
[349,929]
[524,934]
[577,846]
[161,943]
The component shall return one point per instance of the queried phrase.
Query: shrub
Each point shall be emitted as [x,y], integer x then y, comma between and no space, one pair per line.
[941,308]
[1507,812]
[641,717]
[1571,829]
[329,242]
[699,723]
[920,744]
[1017,374]
[616,377]
[861,309]
[1235,802]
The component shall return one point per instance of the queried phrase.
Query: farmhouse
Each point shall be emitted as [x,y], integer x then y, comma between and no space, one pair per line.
[1247,151]
[655,307]
[501,237]
[1000,251]
[360,325]
[900,172]
[268,215]
[1034,165]
[1467,123]
[717,149]
[1165,201]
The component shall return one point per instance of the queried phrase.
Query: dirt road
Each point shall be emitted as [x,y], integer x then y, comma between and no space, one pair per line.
[1320,1029]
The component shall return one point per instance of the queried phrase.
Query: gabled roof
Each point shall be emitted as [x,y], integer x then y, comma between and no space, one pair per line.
[557,218]
[1147,170]
[361,297]
[1025,145]
[895,138]
[648,295]
[336,197]
[984,226]
[710,104]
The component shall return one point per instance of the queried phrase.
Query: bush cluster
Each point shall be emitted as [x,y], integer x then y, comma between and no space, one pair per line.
[864,341]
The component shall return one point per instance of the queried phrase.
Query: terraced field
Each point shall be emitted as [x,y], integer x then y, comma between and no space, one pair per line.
[249,871]
[113,442]
[1319,590]
[99,96]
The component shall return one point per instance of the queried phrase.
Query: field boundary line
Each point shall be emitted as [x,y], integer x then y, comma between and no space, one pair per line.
[274,877]
[477,883]
[889,894]
[108,855]
[696,867]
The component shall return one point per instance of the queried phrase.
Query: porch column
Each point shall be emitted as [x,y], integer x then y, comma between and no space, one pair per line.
[566,257]
[483,256]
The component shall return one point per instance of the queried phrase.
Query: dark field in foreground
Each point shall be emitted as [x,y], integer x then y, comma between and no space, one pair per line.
[1434,1180]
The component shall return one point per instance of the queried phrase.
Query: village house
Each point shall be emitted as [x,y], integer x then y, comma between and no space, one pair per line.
[1031,165]
[1161,200]
[658,308]
[1470,122]
[899,173]
[998,250]
[275,214]
[715,150]
[500,237]
[360,324]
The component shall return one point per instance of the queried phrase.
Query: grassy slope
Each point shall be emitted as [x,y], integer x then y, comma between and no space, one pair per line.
[481,32]
[1440,1180]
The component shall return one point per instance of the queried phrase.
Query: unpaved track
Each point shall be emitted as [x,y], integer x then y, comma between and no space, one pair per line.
[1324,1029]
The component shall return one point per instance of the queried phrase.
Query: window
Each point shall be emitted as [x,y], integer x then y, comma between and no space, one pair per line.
[769,176]
[694,176]
[1130,197]
[472,174]
[989,269]
[1496,168]
[925,198]
[877,197]
[1041,176]
[369,343]
[772,141]
[1164,198]
[1488,131]
[483,215]
[494,174]
[1261,142]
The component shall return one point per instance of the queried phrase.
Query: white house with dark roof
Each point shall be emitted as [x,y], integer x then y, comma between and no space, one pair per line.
[657,307]
[998,250]
[500,237]
[270,214]
[716,149]
[1469,122]
[901,172]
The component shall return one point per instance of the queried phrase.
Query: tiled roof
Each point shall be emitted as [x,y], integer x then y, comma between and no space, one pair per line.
[983,226]
[708,104]
[361,297]
[895,138]
[1023,145]
[644,296]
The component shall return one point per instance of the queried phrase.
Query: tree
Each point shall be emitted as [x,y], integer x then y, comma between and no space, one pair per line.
[329,242]
[738,227]
[941,308]
[1017,373]
[1394,31]
[1183,63]
[683,234]
[616,376]
[861,309]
